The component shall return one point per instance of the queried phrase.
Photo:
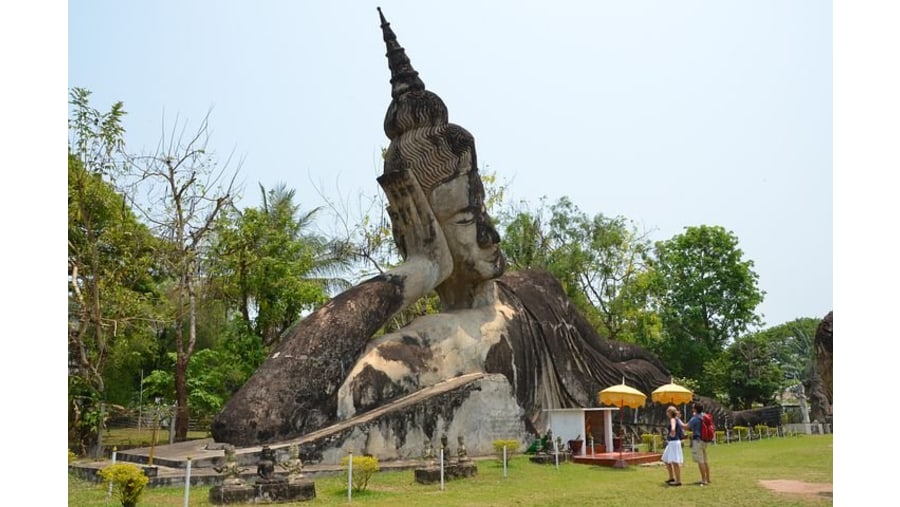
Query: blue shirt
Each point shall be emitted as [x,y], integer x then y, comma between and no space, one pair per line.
[696,427]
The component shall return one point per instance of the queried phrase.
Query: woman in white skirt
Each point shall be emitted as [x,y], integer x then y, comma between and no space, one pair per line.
[672,456]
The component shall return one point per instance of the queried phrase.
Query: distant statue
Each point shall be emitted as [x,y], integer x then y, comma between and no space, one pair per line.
[824,343]
[444,444]
[428,455]
[548,441]
[461,453]
[230,469]
[328,367]
[293,466]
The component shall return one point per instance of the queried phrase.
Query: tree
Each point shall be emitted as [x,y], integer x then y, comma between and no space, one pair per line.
[185,191]
[796,355]
[595,259]
[747,373]
[111,270]
[707,295]
[268,265]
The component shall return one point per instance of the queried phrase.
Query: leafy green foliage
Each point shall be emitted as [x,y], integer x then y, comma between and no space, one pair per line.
[757,367]
[512,447]
[268,265]
[652,442]
[746,373]
[364,467]
[794,348]
[95,137]
[128,481]
[707,295]
[595,258]
[213,375]
[112,271]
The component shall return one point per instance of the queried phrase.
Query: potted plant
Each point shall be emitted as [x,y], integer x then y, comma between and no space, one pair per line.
[575,445]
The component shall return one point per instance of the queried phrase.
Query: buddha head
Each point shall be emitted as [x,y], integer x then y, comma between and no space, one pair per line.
[442,158]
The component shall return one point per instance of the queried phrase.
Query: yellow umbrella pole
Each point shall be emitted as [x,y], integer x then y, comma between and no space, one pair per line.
[621,461]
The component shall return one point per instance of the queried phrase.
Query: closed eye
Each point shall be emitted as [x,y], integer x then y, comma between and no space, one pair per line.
[465,218]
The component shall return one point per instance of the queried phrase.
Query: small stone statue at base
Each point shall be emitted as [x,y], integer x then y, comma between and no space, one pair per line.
[294,465]
[230,469]
[547,443]
[428,455]
[461,453]
[265,469]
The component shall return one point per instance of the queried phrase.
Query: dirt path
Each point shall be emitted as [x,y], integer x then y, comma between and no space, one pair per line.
[800,488]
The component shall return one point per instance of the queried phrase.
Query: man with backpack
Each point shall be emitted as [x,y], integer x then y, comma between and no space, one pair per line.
[698,443]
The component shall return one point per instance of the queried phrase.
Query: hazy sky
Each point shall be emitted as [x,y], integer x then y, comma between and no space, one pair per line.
[672,114]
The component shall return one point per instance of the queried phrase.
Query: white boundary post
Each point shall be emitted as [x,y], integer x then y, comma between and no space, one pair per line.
[109,491]
[350,477]
[504,462]
[556,454]
[187,483]
[442,468]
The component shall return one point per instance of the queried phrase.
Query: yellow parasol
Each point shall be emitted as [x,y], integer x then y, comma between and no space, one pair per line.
[672,394]
[622,396]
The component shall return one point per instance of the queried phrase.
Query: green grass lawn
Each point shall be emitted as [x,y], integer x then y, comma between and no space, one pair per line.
[735,470]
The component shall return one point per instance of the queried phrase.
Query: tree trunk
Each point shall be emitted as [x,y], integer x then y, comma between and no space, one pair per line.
[181,407]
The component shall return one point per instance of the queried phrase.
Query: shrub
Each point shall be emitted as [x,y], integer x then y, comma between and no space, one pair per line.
[720,436]
[761,430]
[741,432]
[512,447]
[652,441]
[128,481]
[72,456]
[364,467]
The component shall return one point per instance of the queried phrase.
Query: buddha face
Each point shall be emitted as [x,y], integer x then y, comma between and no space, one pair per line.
[474,244]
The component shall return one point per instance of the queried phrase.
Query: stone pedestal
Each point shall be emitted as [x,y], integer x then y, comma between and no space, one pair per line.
[219,495]
[275,492]
[432,474]
[550,458]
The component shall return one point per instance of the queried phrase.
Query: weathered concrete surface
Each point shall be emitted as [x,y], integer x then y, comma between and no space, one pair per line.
[293,391]
[480,407]
[452,471]
[263,493]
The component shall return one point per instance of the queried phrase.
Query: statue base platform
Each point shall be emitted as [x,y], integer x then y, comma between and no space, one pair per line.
[275,492]
[550,459]
[432,474]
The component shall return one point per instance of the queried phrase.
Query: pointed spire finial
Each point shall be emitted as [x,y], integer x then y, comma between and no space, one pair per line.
[404,77]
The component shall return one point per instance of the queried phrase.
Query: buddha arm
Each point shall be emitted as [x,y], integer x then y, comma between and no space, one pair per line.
[418,235]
